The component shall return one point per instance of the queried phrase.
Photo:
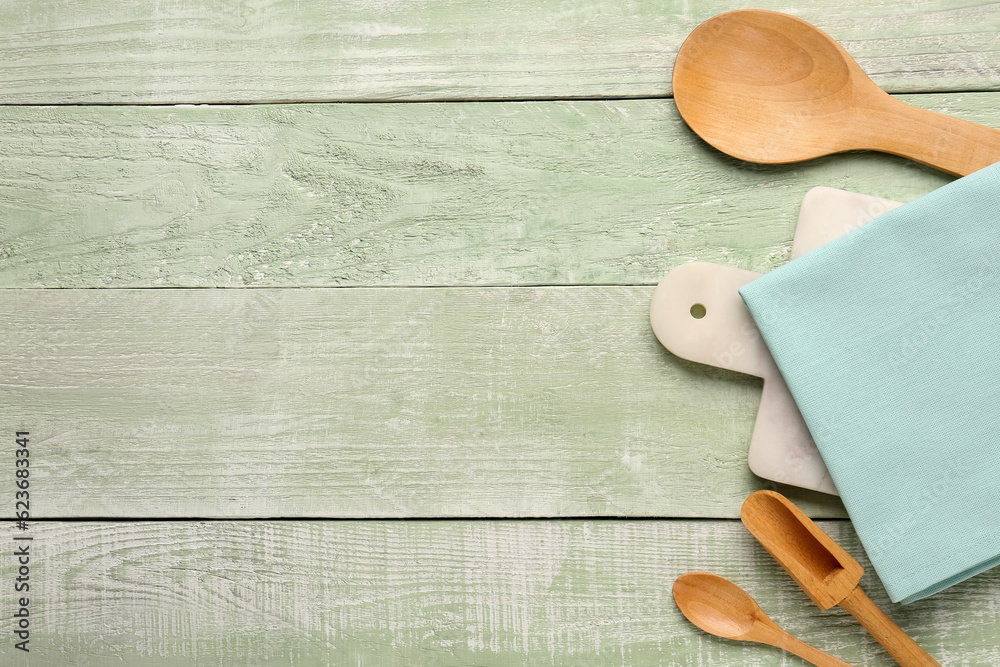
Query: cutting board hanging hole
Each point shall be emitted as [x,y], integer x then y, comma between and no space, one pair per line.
[781,448]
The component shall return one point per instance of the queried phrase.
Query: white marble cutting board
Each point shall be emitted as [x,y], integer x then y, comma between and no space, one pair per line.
[698,315]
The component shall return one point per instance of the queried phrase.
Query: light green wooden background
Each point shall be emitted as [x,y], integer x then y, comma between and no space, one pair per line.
[432,425]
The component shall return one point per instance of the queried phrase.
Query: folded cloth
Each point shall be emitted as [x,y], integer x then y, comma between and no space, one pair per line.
[889,339]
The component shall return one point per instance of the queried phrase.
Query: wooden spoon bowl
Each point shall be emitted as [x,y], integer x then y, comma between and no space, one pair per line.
[768,87]
[716,605]
[721,608]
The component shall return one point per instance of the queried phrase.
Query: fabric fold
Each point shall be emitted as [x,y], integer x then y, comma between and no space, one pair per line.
[889,340]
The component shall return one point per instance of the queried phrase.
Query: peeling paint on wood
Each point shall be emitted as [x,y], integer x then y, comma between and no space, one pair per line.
[401,194]
[471,402]
[368,403]
[441,593]
[171,51]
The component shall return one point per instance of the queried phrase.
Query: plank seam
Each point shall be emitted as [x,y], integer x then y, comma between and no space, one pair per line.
[441,519]
[430,100]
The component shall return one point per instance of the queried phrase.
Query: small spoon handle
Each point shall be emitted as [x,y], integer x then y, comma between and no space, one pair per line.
[950,144]
[899,644]
[807,652]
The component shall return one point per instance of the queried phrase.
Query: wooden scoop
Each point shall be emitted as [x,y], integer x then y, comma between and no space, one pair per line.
[769,87]
[721,608]
[823,570]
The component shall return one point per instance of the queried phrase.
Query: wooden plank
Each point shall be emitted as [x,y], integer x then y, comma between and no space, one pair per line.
[441,593]
[408,194]
[496,402]
[110,52]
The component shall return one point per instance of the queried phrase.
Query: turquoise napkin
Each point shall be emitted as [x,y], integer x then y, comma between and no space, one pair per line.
[889,339]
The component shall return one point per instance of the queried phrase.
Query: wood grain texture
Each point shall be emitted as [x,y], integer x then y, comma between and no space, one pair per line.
[401,194]
[112,52]
[391,402]
[498,402]
[439,593]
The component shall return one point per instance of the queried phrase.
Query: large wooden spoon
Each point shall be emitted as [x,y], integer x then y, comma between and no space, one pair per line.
[769,87]
[823,570]
[721,608]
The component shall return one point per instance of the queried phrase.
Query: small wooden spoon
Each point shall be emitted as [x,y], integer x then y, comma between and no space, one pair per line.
[721,608]
[823,570]
[769,87]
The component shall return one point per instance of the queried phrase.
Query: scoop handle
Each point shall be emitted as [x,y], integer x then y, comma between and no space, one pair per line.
[953,145]
[900,645]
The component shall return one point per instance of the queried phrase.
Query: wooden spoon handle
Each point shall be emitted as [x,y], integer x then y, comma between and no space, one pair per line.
[807,652]
[950,144]
[899,644]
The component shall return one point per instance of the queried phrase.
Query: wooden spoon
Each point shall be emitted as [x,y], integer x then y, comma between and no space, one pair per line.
[769,87]
[823,570]
[721,608]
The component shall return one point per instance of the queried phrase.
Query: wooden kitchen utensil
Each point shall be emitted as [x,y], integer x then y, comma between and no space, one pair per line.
[768,87]
[721,608]
[823,570]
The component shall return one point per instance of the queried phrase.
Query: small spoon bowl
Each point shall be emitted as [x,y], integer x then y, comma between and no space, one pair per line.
[721,608]
[716,605]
